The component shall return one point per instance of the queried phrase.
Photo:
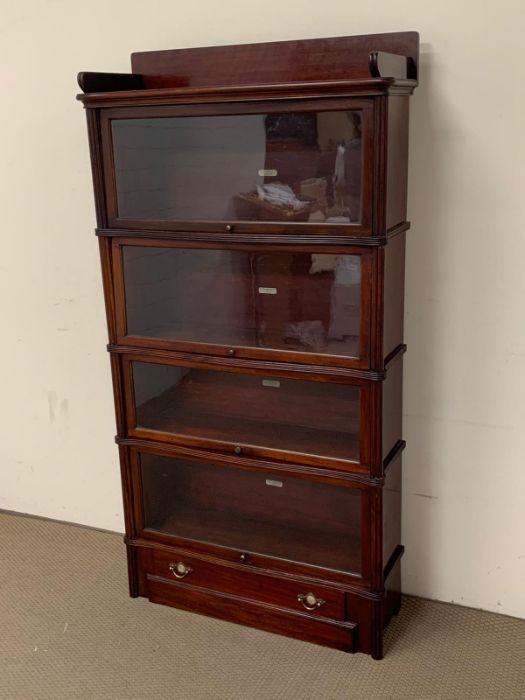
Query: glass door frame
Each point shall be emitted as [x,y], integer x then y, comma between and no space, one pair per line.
[363,105]
[368,410]
[368,264]
[370,495]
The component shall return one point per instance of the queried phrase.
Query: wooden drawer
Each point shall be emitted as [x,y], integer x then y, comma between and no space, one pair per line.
[226,606]
[312,600]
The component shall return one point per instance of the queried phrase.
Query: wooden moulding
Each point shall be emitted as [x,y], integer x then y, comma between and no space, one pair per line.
[289,369]
[323,473]
[376,63]
[279,235]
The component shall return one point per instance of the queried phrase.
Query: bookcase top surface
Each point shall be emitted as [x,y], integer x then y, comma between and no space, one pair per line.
[376,61]
[335,58]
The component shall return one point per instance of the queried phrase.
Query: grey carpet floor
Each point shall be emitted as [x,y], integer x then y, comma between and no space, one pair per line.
[68,630]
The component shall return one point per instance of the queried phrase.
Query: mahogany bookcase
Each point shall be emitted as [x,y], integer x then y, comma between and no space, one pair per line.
[251,217]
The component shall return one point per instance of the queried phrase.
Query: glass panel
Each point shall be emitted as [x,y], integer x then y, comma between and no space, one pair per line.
[308,417]
[254,511]
[292,301]
[294,166]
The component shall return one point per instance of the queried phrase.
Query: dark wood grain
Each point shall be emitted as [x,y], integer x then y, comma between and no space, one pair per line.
[379,171]
[225,359]
[238,608]
[106,82]
[322,472]
[391,507]
[273,62]
[392,407]
[240,560]
[279,234]
[393,302]
[129,522]
[360,606]
[97,167]
[396,161]
[392,600]
[259,587]
[108,287]
[365,88]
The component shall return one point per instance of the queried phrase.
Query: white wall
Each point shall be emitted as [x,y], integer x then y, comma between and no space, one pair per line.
[464,482]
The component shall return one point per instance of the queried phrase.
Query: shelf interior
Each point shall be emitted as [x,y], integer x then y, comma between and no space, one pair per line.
[300,416]
[305,302]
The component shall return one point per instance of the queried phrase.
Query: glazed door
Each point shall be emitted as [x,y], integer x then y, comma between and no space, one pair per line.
[244,168]
[262,302]
[305,419]
[251,511]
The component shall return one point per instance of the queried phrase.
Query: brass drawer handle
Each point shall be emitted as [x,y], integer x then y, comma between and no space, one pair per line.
[180,570]
[310,601]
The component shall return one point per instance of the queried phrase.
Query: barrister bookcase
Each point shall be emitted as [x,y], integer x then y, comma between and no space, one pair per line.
[251,217]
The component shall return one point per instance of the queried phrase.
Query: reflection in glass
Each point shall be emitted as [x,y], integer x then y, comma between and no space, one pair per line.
[253,511]
[293,166]
[300,416]
[290,301]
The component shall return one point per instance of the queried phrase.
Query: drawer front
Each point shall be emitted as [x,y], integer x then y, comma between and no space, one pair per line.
[312,599]
[236,410]
[302,303]
[334,633]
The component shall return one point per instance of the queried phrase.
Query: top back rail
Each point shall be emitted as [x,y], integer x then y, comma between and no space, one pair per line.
[391,56]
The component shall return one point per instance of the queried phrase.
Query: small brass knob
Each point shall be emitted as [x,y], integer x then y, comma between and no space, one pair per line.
[237,449]
[229,227]
[231,352]
[310,601]
[180,570]
[243,558]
